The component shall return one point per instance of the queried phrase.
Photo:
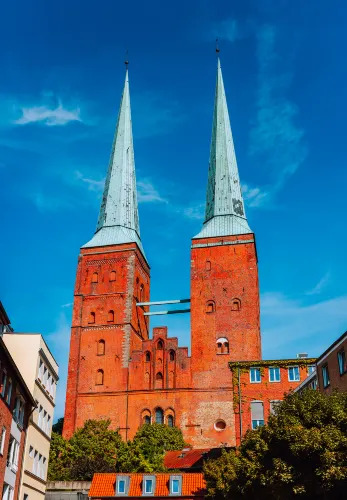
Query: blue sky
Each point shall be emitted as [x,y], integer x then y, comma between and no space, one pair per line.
[285,75]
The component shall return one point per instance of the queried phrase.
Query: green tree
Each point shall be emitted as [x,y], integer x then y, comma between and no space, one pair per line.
[301,453]
[58,426]
[93,448]
[147,450]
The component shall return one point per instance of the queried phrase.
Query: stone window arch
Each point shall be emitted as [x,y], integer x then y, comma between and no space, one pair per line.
[222,345]
[147,356]
[172,355]
[99,377]
[159,380]
[91,319]
[95,278]
[210,306]
[159,416]
[146,416]
[101,348]
[160,345]
[110,316]
[236,305]
[113,276]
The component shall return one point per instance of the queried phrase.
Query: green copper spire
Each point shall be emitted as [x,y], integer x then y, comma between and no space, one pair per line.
[225,210]
[118,218]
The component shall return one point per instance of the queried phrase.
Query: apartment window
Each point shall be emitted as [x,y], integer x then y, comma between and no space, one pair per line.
[12,456]
[122,485]
[274,405]
[9,391]
[25,496]
[18,412]
[175,485]
[7,492]
[274,374]
[48,427]
[39,423]
[325,374]
[41,370]
[341,357]
[148,485]
[35,462]
[31,452]
[311,369]
[293,374]
[3,384]
[257,414]
[255,376]
[2,440]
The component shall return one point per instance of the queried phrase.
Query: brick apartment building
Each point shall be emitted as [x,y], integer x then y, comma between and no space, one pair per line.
[116,370]
[16,406]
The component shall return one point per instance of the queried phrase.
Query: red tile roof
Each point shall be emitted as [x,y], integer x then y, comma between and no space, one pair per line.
[103,485]
[182,459]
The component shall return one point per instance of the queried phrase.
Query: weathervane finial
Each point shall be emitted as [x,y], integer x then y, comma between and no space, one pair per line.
[217,48]
[126,62]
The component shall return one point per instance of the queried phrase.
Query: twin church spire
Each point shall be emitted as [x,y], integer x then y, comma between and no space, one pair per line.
[118,221]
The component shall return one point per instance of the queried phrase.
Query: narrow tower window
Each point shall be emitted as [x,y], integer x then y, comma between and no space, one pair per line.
[172,355]
[160,345]
[99,377]
[222,345]
[113,276]
[210,306]
[148,356]
[159,416]
[101,347]
[95,278]
[208,265]
[159,380]
[170,421]
[226,348]
[110,316]
[236,305]
[91,317]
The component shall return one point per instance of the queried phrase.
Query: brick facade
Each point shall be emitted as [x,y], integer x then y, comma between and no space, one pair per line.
[333,362]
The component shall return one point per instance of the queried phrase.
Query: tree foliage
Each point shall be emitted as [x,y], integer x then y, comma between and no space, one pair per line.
[58,426]
[301,453]
[96,448]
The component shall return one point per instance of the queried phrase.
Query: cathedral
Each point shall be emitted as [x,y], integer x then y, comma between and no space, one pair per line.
[117,369]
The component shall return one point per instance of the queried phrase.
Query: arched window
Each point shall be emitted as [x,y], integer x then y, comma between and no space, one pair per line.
[110,316]
[113,276]
[208,265]
[160,345]
[148,356]
[101,347]
[95,278]
[236,305]
[210,306]
[159,380]
[222,345]
[91,317]
[172,355]
[147,419]
[146,416]
[99,377]
[141,293]
[159,416]
[170,421]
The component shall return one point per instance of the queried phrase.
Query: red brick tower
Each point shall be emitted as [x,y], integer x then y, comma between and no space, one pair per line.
[112,275]
[224,276]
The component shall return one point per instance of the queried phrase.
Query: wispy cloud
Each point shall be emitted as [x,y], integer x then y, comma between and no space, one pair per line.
[92,184]
[275,138]
[50,116]
[69,304]
[231,29]
[195,211]
[254,196]
[48,203]
[148,193]
[291,326]
[322,283]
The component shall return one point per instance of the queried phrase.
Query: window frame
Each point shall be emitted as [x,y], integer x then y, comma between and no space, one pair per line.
[250,375]
[257,424]
[173,479]
[344,367]
[126,480]
[326,380]
[279,373]
[293,367]
[2,440]
[144,482]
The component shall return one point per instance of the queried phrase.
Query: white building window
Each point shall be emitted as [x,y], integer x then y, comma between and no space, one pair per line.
[257,414]
[31,452]
[41,370]
[13,452]
[36,462]
[2,440]
[255,375]
[274,374]
[293,374]
[18,412]
[39,423]
[7,492]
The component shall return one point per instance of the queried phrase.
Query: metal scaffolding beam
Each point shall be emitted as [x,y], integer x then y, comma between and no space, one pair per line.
[157,313]
[161,302]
